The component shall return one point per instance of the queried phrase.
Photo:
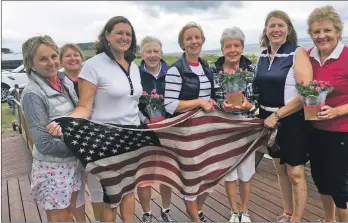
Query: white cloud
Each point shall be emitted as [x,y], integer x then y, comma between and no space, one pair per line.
[74,21]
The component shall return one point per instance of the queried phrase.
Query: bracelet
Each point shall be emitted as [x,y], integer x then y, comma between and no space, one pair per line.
[276,114]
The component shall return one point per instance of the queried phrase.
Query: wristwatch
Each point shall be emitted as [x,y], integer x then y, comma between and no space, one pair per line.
[276,114]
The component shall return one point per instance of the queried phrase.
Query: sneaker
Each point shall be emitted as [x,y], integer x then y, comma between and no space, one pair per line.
[245,217]
[202,217]
[167,216]
[147,217]
[234,217]
[283,218]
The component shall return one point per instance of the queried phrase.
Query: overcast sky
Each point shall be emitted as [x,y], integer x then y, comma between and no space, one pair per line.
[77,22]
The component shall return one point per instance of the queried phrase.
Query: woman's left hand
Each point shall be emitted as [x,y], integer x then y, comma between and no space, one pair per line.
[327,112]
[245,106]
[212,101]
[271,121]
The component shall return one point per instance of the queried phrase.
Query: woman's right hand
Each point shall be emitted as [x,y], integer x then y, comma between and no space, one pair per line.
[227,107]
[208,106]
[54,129]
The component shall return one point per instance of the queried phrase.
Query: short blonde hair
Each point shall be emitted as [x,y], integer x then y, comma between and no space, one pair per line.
[73,46]
[292,36]
[29,49]
[326,13]
[183,30]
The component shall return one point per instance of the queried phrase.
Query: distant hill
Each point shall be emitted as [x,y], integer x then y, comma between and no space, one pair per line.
[86,46]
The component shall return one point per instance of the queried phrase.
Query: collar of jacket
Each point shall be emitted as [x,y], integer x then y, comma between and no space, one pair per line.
[186,66]
[244,62]
[164,68]
[281,47]
[44,83]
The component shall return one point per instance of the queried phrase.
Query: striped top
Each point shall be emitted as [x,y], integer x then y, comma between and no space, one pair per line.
[174,84]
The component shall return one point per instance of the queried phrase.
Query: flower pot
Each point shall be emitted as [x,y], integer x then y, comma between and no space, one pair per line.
[311,111]
[235,99]
[234,91]
[312,105]
[156,115]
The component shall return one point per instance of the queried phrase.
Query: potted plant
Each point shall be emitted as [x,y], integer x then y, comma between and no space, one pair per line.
[234,83]
[153,105]
[313,97]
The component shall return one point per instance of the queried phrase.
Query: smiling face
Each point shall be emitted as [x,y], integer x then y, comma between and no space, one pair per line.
[46,62]
[71,60]
[152,54]
[277,31]
[120,37]
[232,50]
[324,35]
[192,41]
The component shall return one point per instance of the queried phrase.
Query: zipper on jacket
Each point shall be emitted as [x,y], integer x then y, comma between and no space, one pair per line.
[127,74]
[269,57]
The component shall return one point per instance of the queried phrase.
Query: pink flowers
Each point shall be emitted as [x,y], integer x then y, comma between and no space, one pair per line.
[220,72]
[152,100]
[313,88]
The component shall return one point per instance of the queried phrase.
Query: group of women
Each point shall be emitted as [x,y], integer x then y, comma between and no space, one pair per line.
[112,80]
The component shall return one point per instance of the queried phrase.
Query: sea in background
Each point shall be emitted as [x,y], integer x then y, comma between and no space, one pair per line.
[255,48]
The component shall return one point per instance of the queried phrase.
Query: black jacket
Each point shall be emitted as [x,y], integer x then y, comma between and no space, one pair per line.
[190,81]
[149,82]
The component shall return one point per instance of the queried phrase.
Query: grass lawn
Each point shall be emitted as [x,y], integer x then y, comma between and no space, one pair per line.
[7,117]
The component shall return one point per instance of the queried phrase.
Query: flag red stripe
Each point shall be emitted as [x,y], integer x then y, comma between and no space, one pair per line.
[215,120]
[201,135]
[176,120]
[195,152]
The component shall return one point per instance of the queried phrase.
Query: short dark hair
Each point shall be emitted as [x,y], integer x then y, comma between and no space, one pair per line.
[102,43]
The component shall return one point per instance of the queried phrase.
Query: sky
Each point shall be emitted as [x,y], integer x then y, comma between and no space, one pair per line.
[81,21]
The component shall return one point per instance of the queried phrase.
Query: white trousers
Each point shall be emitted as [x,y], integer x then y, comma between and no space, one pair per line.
[95,191]
[244,171]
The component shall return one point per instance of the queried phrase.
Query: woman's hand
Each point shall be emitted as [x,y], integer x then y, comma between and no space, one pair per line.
[208,106]
[245,106]
[54,129]
[327,112]
[230,107]
[271,121]
[227,107]
[146,121]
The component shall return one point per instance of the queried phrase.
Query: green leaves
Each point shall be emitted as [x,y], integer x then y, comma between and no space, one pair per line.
[313,88]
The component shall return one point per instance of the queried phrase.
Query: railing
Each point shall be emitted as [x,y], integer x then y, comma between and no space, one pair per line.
[23,123]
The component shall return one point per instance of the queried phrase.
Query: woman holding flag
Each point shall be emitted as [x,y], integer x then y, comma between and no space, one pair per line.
[107,81]
[188,85]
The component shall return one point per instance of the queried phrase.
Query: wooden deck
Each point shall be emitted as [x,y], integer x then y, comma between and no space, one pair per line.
[265,203]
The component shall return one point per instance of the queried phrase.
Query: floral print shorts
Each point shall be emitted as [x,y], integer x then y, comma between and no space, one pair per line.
[53,183]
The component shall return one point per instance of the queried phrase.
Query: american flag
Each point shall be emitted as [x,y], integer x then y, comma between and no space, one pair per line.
[191,152]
